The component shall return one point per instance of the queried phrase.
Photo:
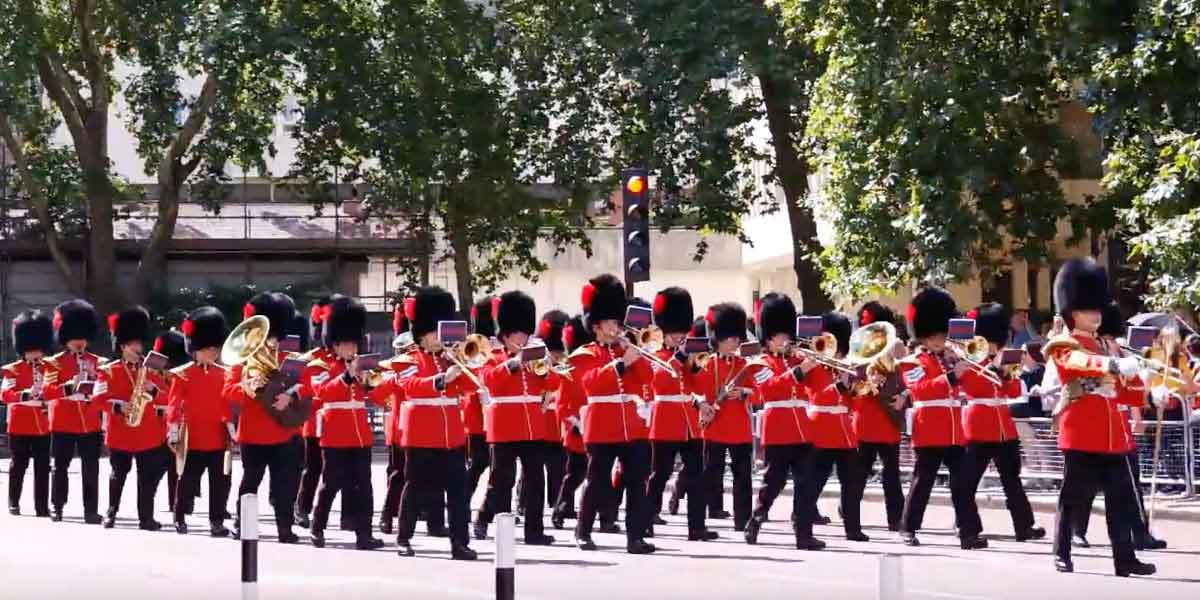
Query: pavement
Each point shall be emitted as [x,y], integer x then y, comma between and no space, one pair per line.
[52,560]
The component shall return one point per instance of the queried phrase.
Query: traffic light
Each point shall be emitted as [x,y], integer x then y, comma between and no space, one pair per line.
[636,200]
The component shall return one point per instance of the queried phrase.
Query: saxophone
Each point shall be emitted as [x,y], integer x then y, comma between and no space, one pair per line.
[139,399]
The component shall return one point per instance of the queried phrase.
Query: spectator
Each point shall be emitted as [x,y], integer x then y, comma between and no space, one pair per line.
[1020,328]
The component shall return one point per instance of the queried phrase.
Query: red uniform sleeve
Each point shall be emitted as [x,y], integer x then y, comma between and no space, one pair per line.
[175,400]
[1077,364]
[162,389]
[51,390]
[103,385]
[1131,392]
[922,383]
[233,393]
[331,389]
[8,387]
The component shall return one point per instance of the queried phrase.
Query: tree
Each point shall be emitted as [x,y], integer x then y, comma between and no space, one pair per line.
[201,79]
[935,124]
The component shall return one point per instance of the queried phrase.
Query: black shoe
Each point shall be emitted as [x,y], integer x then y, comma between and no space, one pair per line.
[558,521]
[1064,565]
[317,537]
[649,532]
[90,518]
[43,514]
[479,529]
[973,543]
[719,514]
[149,525]
[585,543]
[302,520]
[640,546]
[287,537]
[14,511]
[1031,533]
[673,504]
[218,530]
[1136,567]
[438,531]
[809,543]
[821,520]
[235,533]
[752,531]
[609,528]
[368,543]
[909,538]
[462,552]
[56,516]
[893,527]
[539,540]
[385,526]
[403,548]
[110,520]
[1150,543]
[181,527]
[702,535]
[739,527]
[857,536]
[1080,541]
[658,520]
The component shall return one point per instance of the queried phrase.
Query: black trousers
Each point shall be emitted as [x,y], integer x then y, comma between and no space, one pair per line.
[1084,472]
[714,471]
[635,462]
[430,473]
[24,449]
[395,483]
[1007,457]
[346,470]
[784,461]
[1141,531]
[151,466]
[893,493]
[478,460]
[199,462]
[66,446]
[576,471]
[310,477]
[849,472]
[929,460]
[172,481]
[283,460]
[691,452]
[504,476]
[554,459]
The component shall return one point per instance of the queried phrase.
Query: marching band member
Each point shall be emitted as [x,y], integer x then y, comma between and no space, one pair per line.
[1091,428]
[784,421]
[729,430]
[431,420]
[675,420]
[989,429]
[341,390]
[554,457]
[25,386]
[932,376]
[196,405]
[515,421]
[878,429]
[265,444]
[310,475]
[171,344]
[391,428]
[478,453]
[571,400]
[613,373]
[834,443]
[144,444]
[75,417]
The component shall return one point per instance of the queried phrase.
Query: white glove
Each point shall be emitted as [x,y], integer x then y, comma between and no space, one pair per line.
[1160,397]
[77,397]
[485,397]
[574,422]
[1128,366]
[173,435]
[643,411]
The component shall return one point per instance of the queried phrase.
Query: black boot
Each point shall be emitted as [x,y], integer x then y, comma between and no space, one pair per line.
[808,542]
[217,529]
[1149,543]
[181,527]
[973,543]
[702,535]
[1063,565]
[539,540]
[438,531]
[1080,541]
[718,514]
[385,525]
[56,516]
[1031,533]
[302,520]
[857,536]
[584,542]
[460,551]
[479,529]
[287,537]
[110,519]
[14,510]
[149,525]
[1134,567]
[659,520]
[317,537]
[640,546]
[752,528]
[366,542]
[403,548]
[557,520]
[909,538]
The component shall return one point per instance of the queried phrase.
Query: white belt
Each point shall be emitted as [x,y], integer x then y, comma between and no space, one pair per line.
[81,398]
[785,404]
[828,410]
[681,398]
[32,403]
[613,399]
[343,405]
[947,403]
[516,400]
[992,402]
[443,401]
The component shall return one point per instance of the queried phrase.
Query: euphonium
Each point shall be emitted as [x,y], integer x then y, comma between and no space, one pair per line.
[248,345]
[871,346]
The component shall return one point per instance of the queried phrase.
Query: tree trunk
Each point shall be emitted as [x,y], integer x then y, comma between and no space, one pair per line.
[456,231]
[792,171]
[152,270]
[101,259]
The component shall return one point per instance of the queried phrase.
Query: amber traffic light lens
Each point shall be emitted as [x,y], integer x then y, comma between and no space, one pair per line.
[636,185]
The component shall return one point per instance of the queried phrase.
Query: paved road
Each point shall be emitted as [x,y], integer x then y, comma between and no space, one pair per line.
[47,560]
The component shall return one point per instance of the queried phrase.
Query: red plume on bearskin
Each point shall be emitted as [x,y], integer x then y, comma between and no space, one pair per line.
[973,314]
[247,310]
[314,314]
[586,295]
[187,327]
[709,318]
[660,303]
[911,313]
[474,313]
[543,329]
[866,318]
[496,308]
[758,309]
[112,322]
[57,321]
[568,334]
[397,319]
[410,308]
[326,311]
[158,344]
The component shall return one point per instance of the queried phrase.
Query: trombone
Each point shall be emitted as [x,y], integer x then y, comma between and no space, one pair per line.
[471,353]
[822,349]
[975,353]
[647,341]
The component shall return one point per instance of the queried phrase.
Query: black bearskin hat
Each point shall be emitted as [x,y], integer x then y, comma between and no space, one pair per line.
[575,335]
[204,328]
[171,343]
[1112,322]
[839,325]
[991,322]
[300,327]
[75,320]
[875,311]
[277,307]
[316,317]
[431,304]
[727,320]
[32,330]
[550,329]
[345,321]
[515,311]
[776,314]
[1081,284]
[603,298]
[673,310]
[930,312]
[400,322]
[483,316]
[129,325]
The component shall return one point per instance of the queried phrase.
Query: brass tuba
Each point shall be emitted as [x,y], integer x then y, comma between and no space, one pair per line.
[247,345]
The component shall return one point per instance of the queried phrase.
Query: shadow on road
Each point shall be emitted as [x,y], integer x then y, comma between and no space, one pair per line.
[564,562]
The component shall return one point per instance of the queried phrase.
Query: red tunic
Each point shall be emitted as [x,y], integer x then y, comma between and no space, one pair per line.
[310,426]
[429,417]
[74,413]
[568,406]
[473,416]
[784,418]
[674,417]
[987,417]
[872,424]
[1092,422]
[732,422]
[610,415]
[26,413]
[115,385]
[392,394]
[937,411]
[514,409]
[341,407]
[255,425]
[829,411]
[196,400]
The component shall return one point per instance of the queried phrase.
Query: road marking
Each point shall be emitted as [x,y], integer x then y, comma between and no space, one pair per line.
[857,585]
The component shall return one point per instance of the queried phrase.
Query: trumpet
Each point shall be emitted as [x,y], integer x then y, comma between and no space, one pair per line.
[975,353]
[647,341]
[471,353]
[822,349]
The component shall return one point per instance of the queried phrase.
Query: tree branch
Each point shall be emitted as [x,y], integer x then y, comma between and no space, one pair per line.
[85,11]
[52,79]
[40,205]
[188,132]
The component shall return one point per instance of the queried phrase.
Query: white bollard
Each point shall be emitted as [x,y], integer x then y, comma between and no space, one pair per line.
[506,556]
[249,535]
[890,583]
